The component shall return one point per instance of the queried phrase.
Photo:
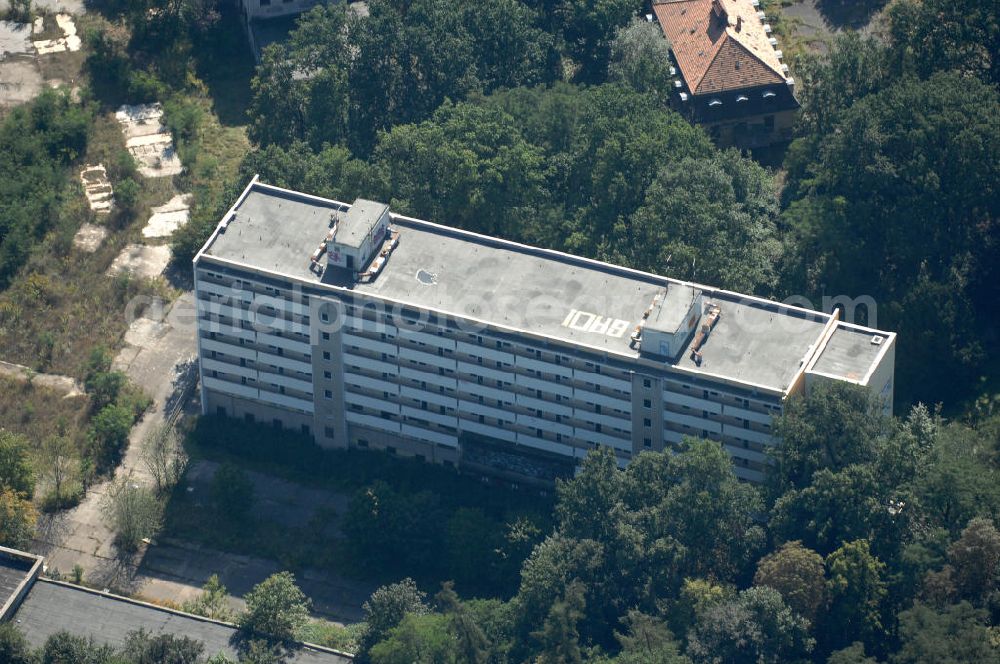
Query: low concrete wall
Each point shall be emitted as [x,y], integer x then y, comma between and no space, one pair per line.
[35,567]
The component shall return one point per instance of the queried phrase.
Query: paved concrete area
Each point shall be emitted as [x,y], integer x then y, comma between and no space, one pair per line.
[20,78]
[15,39]
[89,237]
[69,41]
[68,6]
[168,217]
[141,261]
[97,188]
[162,368]
[816,21]
[159,356]
[148,140]
[65,384]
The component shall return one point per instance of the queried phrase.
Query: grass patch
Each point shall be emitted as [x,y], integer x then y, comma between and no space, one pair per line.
[62,306]
[39,412]
[345,638]
[190,518]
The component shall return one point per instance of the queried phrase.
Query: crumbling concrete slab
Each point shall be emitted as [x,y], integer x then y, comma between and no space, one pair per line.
[15,39]
[66,6]
[69,41]
[148,140]
[141,261]
[20,81]
[97,188]
[168,217]
[89,237]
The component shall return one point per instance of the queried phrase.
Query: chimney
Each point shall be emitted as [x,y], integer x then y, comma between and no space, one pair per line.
[739,23]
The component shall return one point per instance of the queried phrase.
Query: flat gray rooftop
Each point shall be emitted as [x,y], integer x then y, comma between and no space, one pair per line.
[52,607]
[503,283]
[849,353]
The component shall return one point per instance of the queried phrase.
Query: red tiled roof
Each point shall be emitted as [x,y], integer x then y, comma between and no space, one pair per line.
[719,44]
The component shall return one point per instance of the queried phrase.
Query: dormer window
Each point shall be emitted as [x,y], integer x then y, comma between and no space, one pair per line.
[769,94]
[715,102]
[742,98]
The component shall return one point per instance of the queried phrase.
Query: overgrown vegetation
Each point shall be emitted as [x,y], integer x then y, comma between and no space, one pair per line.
[863,548]
[405,517]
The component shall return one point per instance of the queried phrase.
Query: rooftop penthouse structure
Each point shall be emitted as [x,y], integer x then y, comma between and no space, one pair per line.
[363,328]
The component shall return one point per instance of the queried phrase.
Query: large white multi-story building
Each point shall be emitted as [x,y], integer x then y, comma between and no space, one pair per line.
[363,328]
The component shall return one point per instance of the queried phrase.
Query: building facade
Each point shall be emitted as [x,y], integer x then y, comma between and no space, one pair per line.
[488,355]
[730,74]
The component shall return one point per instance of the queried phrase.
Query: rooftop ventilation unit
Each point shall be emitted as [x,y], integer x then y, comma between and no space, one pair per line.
[877,340]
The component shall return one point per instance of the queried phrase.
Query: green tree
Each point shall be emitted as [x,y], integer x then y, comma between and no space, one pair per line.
[647,640]
[710,220]
[60,461]
[16,471]
[417,638]
[755,627]
[14,647]
[393,528]
[588,504]
[17,520]
[852,654]
[468,167]
[640,58]
[474,544]
[108,434]
[275,607]
[959,633]
[975,557]
[588,28]
[890,208]
[387,607]
[559,639]
[941,35]
[834,425]
[213,602]
[797,573]
[65,648]
[958,480]
[141,647]
[470,643]
[510,49]
[232,492]
[857,588]
[836,508]
[131,511]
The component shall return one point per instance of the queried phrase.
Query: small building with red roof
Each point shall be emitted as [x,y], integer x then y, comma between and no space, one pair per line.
[730,74]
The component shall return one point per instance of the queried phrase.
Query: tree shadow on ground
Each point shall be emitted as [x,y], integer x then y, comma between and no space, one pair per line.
[852,14]
[226,64]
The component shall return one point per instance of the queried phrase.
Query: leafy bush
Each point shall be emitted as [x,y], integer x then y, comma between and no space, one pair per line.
[232,492]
